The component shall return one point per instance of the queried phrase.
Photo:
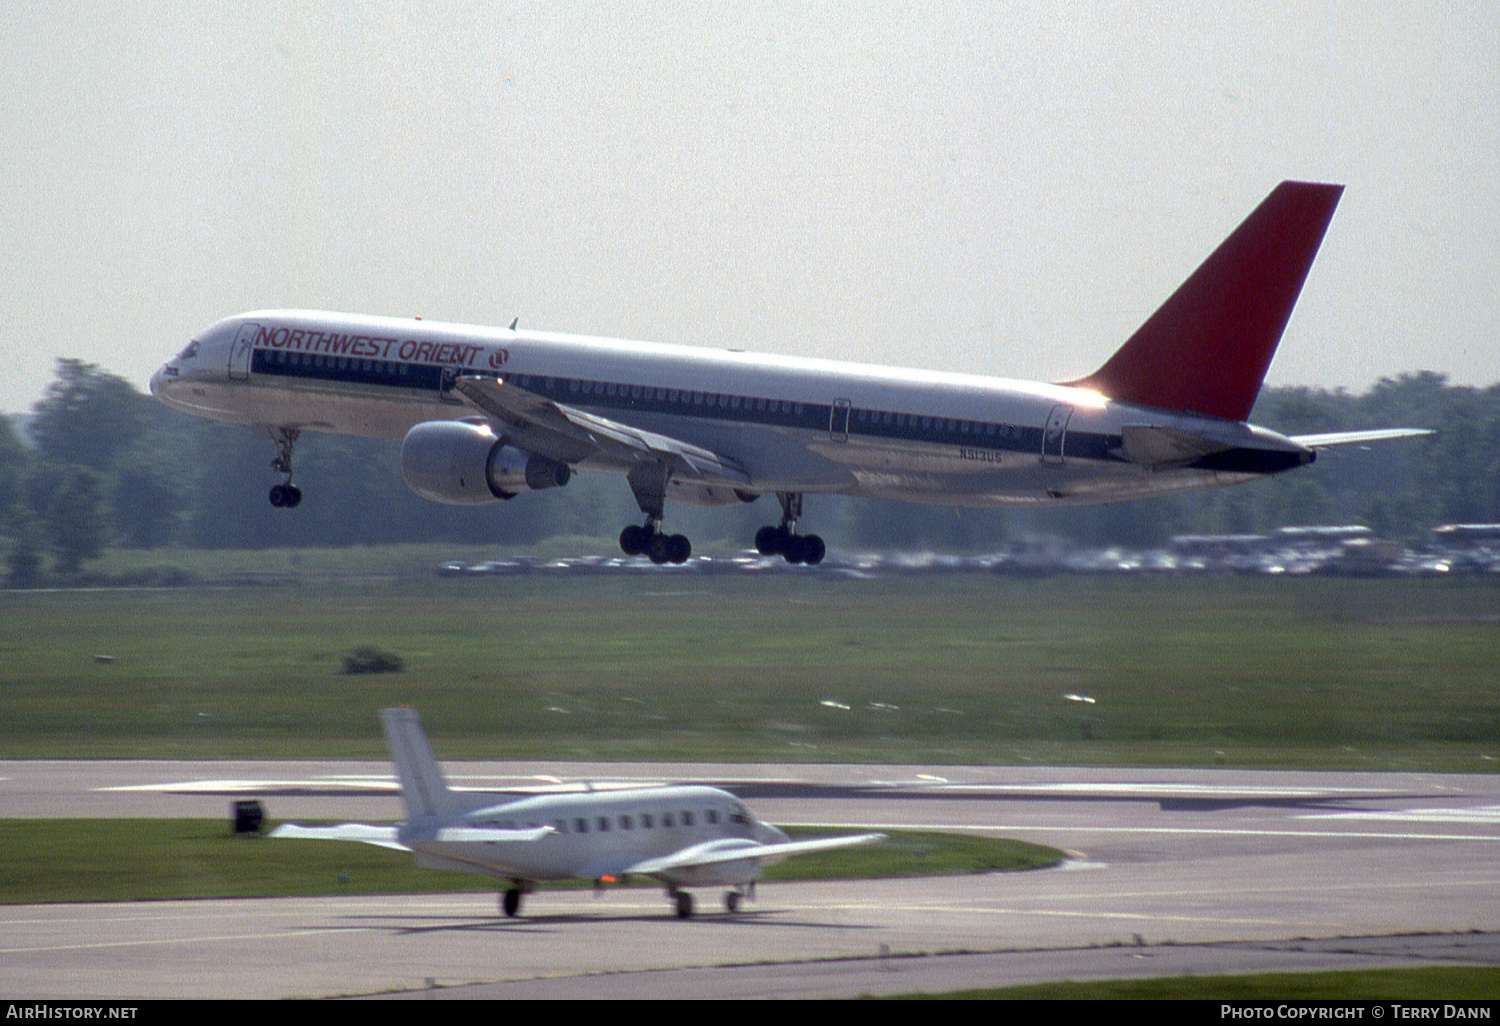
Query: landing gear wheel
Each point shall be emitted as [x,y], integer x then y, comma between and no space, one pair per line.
[634,539]
[732,902]
[771,541]
[659,548]
[794,548]
[285,496]
[510,902]
[785,541]
[684,902]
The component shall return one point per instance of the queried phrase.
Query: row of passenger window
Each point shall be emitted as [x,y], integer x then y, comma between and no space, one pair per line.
[628,821]
[576,390]
[274,361]
[673,397]
[876,421]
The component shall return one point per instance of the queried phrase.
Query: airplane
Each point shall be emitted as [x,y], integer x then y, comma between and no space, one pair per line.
[485,414]
[681,835]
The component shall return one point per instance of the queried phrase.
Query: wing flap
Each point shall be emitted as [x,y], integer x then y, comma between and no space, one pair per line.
[569,435]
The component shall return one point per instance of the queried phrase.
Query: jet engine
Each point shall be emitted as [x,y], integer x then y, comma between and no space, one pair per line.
[463,463]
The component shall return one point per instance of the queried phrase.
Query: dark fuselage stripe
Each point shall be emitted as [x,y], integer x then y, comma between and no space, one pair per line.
[981,439]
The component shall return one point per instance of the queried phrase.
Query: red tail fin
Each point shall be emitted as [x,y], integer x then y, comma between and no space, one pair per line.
[1207,349]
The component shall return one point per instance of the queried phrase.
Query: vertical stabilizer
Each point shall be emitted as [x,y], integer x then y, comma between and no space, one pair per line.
[423,788]
[1207,349]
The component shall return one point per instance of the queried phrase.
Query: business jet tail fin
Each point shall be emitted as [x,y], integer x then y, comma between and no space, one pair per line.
[423,787]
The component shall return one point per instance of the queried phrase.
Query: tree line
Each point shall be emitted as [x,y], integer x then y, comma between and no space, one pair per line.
[98,464]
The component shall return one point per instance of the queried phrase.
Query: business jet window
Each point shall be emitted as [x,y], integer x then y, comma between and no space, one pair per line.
[712,816]
[603,823]
[645,821]
[581,825]
[625,823]
[687,819]
[188,353]
[666,819]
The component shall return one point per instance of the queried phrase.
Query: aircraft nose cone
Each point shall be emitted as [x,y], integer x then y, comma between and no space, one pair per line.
[765,833]
[164,374]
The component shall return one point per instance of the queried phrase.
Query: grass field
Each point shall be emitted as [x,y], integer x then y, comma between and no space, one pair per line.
[158,859]
[1327,673]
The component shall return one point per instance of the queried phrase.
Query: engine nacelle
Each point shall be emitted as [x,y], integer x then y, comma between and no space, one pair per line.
[466,464]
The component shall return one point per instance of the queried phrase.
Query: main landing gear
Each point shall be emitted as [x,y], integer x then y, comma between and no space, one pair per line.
[285,495]
[784,540]
[682,901]
[649,483]
[510,900]
[649,541]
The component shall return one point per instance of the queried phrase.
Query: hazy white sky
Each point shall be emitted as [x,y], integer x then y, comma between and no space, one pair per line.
[1005,188]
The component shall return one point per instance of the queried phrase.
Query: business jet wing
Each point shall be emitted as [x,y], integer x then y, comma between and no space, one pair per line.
[740,849]
[568,435]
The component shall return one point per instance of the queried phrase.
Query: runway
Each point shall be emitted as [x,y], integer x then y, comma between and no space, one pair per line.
[1171,872]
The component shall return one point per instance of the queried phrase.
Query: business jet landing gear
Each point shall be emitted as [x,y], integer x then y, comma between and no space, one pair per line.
[510,902]
[784,541]
[285,495]
[683,901]
[649,483]
[732,901]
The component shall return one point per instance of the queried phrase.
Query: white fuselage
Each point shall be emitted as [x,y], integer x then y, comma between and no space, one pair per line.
[597,834]
[792,425]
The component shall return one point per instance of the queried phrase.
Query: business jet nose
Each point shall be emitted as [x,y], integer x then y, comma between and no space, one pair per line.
[765,833]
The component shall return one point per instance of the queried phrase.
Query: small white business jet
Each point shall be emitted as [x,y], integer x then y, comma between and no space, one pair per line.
[683,836]
[485,413]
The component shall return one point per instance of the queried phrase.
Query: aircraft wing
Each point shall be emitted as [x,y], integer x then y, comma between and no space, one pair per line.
[740,850]
[384,836]
[1356,437]
[568,435]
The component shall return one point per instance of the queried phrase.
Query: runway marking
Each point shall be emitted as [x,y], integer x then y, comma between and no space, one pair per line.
[1155,790]
[1486,814]
[1070,828]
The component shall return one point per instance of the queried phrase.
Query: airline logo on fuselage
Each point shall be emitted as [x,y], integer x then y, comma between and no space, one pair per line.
[372,347]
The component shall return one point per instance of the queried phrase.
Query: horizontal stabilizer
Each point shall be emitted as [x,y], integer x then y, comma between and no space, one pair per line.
[384,836]
[489,835]
[1357,437]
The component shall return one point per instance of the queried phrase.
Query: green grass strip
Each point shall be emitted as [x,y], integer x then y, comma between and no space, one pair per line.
[54,860]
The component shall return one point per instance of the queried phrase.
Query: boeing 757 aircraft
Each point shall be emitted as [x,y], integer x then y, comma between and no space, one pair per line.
[485,414]
[682,836]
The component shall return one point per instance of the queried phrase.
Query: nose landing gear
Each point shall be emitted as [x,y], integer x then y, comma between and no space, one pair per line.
[285,495]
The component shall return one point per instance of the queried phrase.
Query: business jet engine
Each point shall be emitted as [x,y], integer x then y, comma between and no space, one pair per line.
[463,463]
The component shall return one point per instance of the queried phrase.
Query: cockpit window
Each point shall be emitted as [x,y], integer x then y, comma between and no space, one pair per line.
[190,352]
